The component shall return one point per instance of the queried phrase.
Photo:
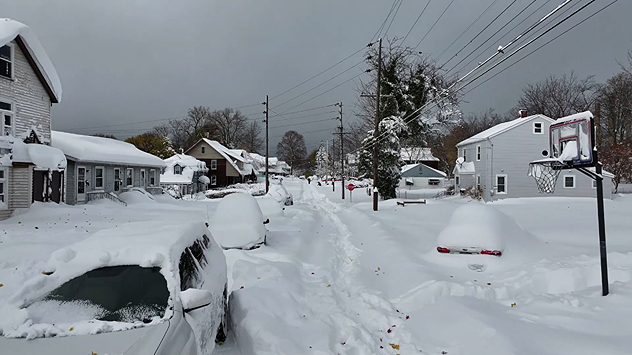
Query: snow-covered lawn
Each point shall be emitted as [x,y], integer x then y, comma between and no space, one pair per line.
[336,277]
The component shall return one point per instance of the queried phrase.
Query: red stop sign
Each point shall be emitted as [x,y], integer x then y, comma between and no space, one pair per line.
[350,187]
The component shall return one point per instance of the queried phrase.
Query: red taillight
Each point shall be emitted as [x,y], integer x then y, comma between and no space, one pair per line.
[492,252]
[443,250]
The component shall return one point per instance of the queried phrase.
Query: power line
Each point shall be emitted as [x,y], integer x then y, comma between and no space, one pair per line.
[467,29]
[393,18]
[302,123]
[417,20]
[495,33]
[433,25]
[323,93]
[309,109]
[319,85]
[285,118]
[540,47]
[478,34]
[129,123]
[379,30]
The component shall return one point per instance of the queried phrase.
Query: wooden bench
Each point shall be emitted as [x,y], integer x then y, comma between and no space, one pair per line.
[403,203]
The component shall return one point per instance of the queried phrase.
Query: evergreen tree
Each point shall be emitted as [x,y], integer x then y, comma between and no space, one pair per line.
[389,158]
[322,160]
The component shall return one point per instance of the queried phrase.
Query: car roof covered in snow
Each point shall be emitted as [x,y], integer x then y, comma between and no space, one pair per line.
[147,244]
[238,222]
[10,30]
[102,150]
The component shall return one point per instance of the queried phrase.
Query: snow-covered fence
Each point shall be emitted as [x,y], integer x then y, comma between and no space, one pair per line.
[99,195]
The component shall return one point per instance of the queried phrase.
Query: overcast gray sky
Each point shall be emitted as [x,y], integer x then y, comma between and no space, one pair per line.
[125,62]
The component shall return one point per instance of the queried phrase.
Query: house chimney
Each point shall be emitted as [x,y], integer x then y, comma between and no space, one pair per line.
[523,113]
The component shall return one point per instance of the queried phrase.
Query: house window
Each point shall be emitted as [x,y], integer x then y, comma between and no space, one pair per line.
[458,181]
[6,115]
[98,177]
[117,179]
[129,178]
[213,180]
[203,150]
[501,184]
[214,164]
[569,181]
[594,184]
[464,154]
[537,128]
[152,177]
[177,169]
[478,153]
[3,188]
[433,181]
[478,181]
[6,61]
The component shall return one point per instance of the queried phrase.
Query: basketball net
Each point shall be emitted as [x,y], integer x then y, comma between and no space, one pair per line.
[545,173]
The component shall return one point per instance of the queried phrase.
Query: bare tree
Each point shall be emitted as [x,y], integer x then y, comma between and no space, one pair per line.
[617,159]
[292,149]
[251,138]
[559,96]
[229,125]
[615,98]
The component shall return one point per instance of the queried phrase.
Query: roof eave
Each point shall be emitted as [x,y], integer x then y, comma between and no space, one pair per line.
[29,58]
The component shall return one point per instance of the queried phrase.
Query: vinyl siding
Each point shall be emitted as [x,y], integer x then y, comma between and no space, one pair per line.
[32,105]
[211,154]
[20,187]
[71,185]
[510,152]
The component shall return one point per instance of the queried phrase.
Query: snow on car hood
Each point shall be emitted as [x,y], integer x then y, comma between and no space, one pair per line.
[137,341]
[238,222]
[144,243]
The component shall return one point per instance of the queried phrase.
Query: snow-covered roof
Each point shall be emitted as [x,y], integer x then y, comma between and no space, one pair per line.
[500,128]
[40,155]
[9,30]
[407,167]
[224,152]
[417,154]
[189,165]
[102,150]
[464,167]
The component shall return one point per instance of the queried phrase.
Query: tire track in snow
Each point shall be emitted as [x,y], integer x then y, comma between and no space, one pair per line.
[366,318]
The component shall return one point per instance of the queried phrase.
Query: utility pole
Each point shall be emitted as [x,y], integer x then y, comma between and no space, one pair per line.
[342,151]
[377,123]
[267,145]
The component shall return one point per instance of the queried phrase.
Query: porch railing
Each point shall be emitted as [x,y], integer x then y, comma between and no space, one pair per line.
[99,195]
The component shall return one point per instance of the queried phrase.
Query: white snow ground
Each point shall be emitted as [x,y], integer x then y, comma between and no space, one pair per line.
[337,278]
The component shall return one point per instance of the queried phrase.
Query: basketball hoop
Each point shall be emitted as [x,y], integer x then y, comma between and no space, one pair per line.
[545,172]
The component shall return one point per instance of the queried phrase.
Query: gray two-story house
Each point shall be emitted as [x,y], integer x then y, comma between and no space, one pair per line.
[30,170]
[496,162]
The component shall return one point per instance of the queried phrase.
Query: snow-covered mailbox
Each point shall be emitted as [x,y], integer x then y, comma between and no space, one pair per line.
[30,170]
[104,167]
[184,175]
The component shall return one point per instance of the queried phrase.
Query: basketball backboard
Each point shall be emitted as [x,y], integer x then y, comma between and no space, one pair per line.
[572,140]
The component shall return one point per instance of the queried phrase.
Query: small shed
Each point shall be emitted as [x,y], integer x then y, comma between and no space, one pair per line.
[421,176]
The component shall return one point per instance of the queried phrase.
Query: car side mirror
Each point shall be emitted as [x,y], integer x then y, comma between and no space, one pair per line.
[194,298]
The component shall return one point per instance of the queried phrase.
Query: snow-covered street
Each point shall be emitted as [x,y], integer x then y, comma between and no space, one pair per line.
[337,278]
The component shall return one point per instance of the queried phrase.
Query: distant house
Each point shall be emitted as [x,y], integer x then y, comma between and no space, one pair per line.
[275,166]
[30,170]
[414,155]
[225,166]
[496,162]
[421,176]
[99,167]
[184,174]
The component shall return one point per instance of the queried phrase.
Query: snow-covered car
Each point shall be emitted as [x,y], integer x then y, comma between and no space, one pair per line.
[270,208]
[280,193]
[478,229]
[139,288]
[238,222]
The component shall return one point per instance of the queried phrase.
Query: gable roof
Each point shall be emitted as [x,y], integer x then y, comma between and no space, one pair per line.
[36,55]
[189,165]
[102,150]
[501,128]
[407,167]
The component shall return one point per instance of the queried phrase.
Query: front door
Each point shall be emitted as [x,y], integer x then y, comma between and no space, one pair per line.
[143,179]
[81,184]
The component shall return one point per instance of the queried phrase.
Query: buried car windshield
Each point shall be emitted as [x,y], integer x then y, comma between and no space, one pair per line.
[117,293]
